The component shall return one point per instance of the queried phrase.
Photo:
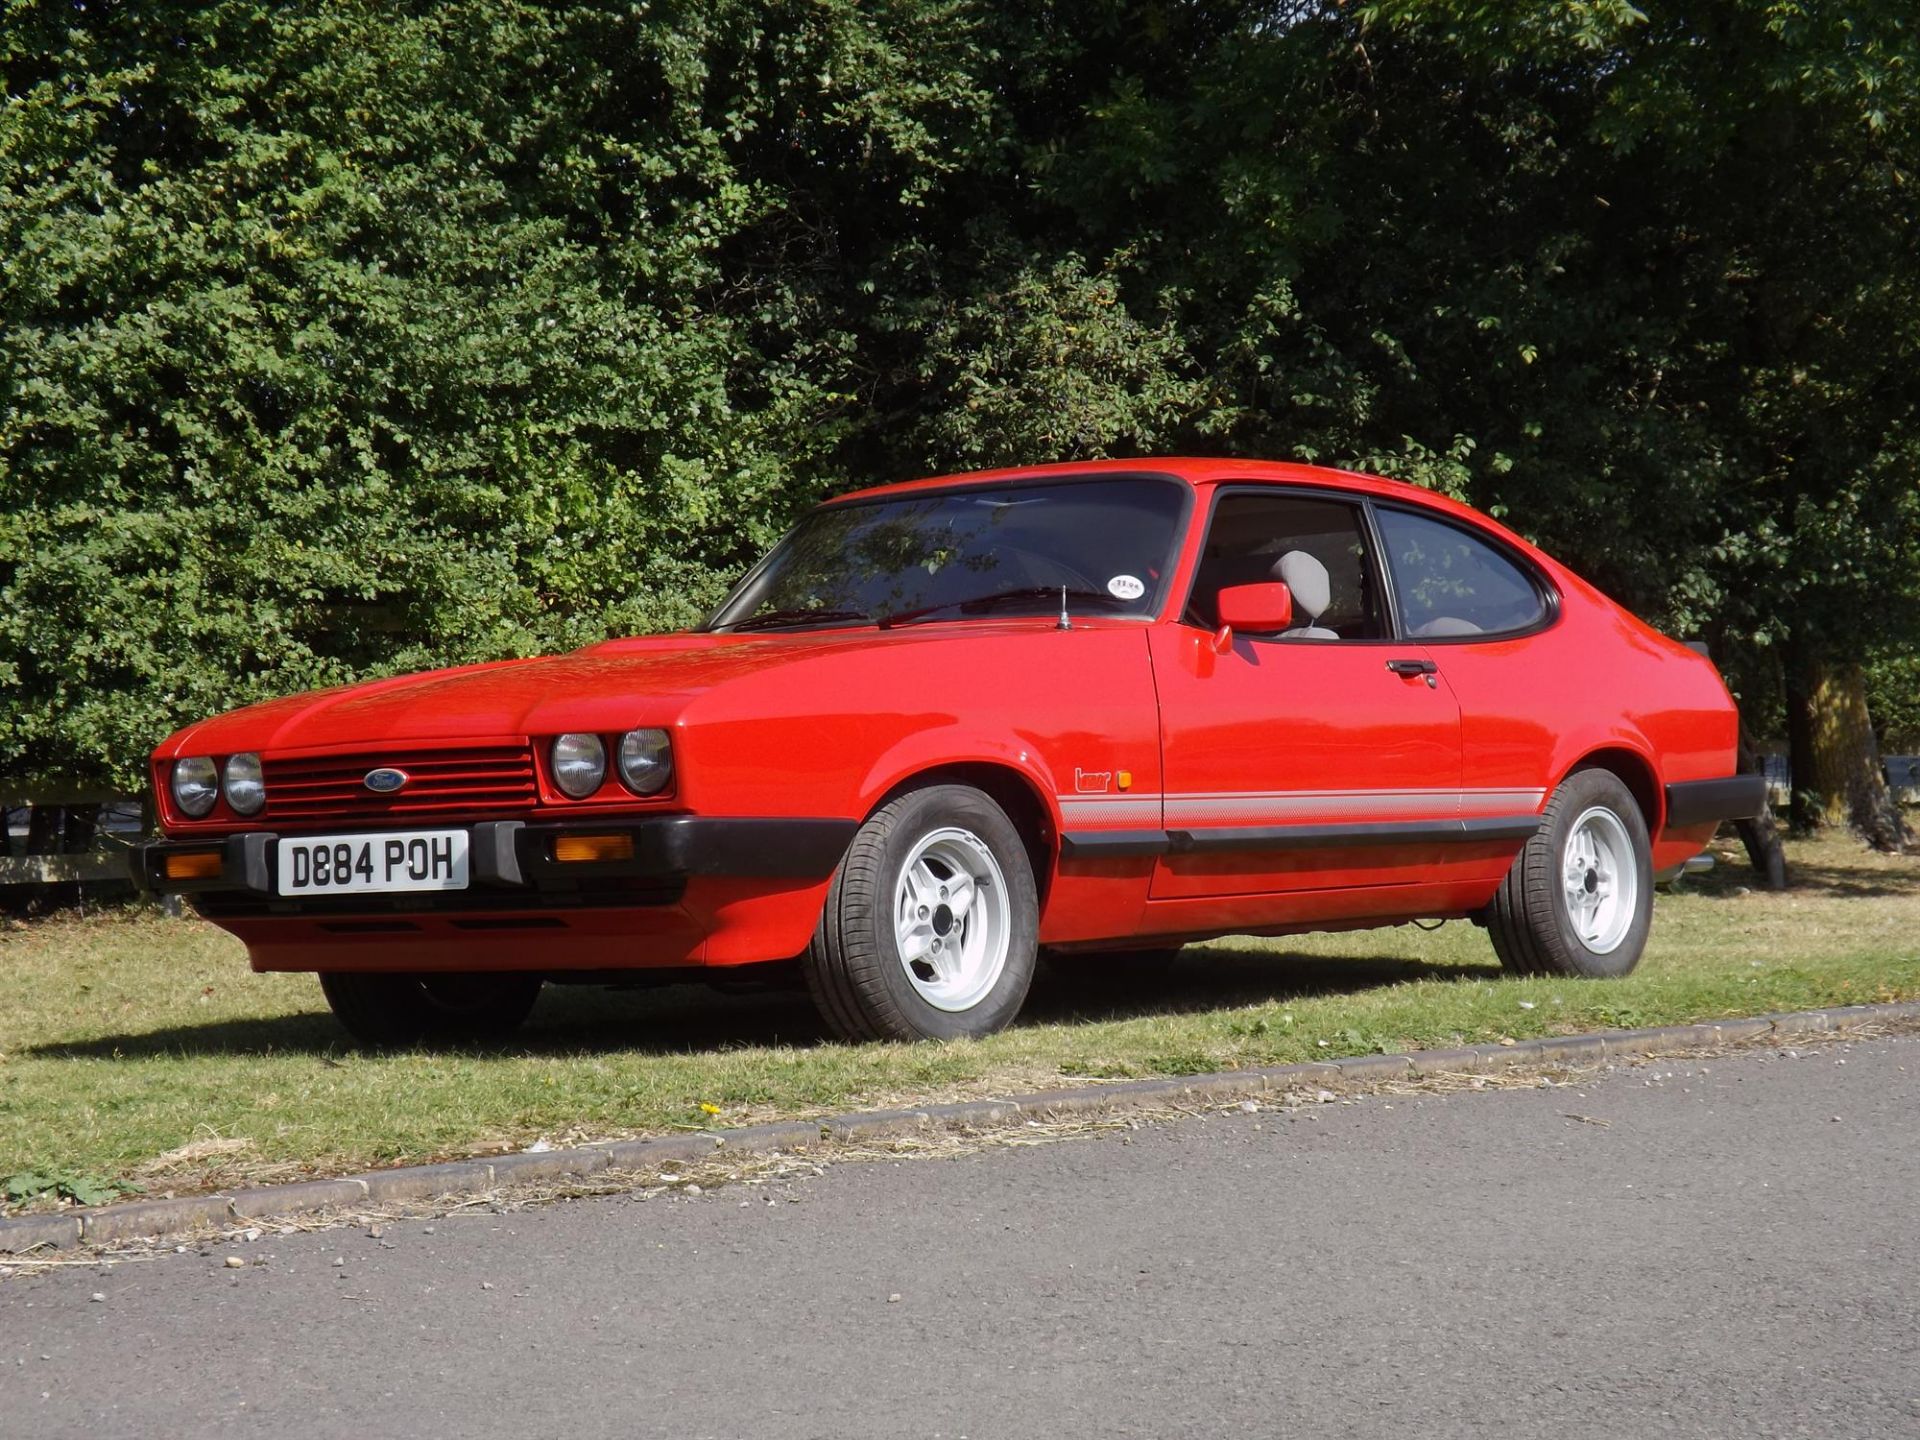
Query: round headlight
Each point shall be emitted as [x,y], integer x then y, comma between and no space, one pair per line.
[646,761]
[246,784]
[196,785]
[579,764]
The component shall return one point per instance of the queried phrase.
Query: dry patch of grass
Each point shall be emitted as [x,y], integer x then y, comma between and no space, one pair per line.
[137,1048]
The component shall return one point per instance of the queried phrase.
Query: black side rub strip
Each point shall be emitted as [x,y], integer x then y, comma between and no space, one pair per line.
[1110,844]
[1695,802]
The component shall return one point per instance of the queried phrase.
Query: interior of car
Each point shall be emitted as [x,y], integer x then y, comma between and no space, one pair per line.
[1316,547]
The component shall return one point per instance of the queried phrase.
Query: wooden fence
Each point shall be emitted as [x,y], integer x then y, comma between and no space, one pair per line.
[67,838]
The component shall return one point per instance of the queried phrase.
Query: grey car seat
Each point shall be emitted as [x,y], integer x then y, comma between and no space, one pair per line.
[1306,577]
[1443,625]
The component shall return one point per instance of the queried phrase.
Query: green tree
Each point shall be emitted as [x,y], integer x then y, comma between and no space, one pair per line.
[342,339]
[1645,286]
[1746,265]
[339,339]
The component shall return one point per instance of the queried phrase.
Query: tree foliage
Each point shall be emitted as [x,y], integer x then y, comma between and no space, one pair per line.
[339,339]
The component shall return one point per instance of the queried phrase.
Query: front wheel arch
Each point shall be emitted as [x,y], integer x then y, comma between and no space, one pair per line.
[1014,792]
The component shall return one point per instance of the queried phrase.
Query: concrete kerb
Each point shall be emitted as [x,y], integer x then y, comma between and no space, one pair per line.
[305,1197]
[875,1125]
[973,1114]
[427,1182]
[531,1167]
[662,1150]
[116,1224]
[765,1139]
[39,1232]
[197,1214]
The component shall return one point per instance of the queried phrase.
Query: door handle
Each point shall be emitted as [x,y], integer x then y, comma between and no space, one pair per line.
[1412,667]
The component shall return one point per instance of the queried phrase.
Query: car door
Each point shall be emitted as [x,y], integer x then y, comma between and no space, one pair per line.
[1323,757]
[1484,615]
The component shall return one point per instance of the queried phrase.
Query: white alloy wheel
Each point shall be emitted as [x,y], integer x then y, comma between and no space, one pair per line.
[1578,899]
[952,919]
[936,866]
[1600,879]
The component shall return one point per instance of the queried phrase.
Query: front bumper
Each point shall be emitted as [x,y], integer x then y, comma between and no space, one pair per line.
[513,863]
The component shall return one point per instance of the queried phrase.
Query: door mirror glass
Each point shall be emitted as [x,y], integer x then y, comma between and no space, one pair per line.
[1256,609]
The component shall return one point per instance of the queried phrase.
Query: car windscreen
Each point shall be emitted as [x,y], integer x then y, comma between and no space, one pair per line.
[980,550]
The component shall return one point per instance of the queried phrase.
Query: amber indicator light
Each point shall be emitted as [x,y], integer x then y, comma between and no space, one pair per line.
[194,865]
[572,848]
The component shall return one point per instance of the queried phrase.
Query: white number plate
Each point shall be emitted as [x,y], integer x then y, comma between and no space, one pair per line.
[371,864]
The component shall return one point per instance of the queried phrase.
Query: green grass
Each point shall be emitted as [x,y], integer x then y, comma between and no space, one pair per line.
[128,1038]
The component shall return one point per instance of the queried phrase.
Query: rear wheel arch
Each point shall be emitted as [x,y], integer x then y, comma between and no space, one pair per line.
[1636,772]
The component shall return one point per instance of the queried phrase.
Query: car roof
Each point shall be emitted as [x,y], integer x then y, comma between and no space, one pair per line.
[1206,470]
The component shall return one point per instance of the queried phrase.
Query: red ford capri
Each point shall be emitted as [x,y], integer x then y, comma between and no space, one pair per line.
[944,725]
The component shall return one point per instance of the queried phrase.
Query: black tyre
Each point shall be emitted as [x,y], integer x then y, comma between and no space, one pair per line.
[1579,898]
[930,924]
[395,1010]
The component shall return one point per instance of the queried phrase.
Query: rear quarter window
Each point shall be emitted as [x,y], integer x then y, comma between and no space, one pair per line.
[1452,584]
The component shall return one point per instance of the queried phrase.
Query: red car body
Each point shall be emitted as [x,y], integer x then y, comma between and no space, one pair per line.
[1170,780]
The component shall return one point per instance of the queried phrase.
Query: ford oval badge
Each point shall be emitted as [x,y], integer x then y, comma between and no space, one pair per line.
[385,780]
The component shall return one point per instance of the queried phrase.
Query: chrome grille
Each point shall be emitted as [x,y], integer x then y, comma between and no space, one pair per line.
[461,778]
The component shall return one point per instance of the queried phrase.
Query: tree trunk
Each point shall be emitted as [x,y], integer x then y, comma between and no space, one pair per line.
[1837,776]
[1803,800]
[1759,834]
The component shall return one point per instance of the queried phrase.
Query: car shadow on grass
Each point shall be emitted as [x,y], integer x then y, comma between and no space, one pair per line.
[575,1020]
[569,1020]
[1217,977]
[1872,877]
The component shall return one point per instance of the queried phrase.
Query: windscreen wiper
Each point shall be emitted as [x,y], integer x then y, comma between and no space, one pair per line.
[800,617]
[978,603]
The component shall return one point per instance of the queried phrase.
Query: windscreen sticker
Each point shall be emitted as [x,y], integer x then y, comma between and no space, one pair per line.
[1125,587]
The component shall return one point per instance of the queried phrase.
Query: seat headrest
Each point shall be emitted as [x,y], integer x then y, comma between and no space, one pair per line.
[1306,577]
[1449,625]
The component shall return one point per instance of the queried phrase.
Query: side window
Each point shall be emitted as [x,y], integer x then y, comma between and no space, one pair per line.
[1321,547]
[1451,583]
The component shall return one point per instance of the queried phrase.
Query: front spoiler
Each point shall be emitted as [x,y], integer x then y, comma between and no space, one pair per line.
[513,858]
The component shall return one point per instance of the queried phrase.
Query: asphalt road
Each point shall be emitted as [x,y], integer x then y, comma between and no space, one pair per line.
[1731,1253]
